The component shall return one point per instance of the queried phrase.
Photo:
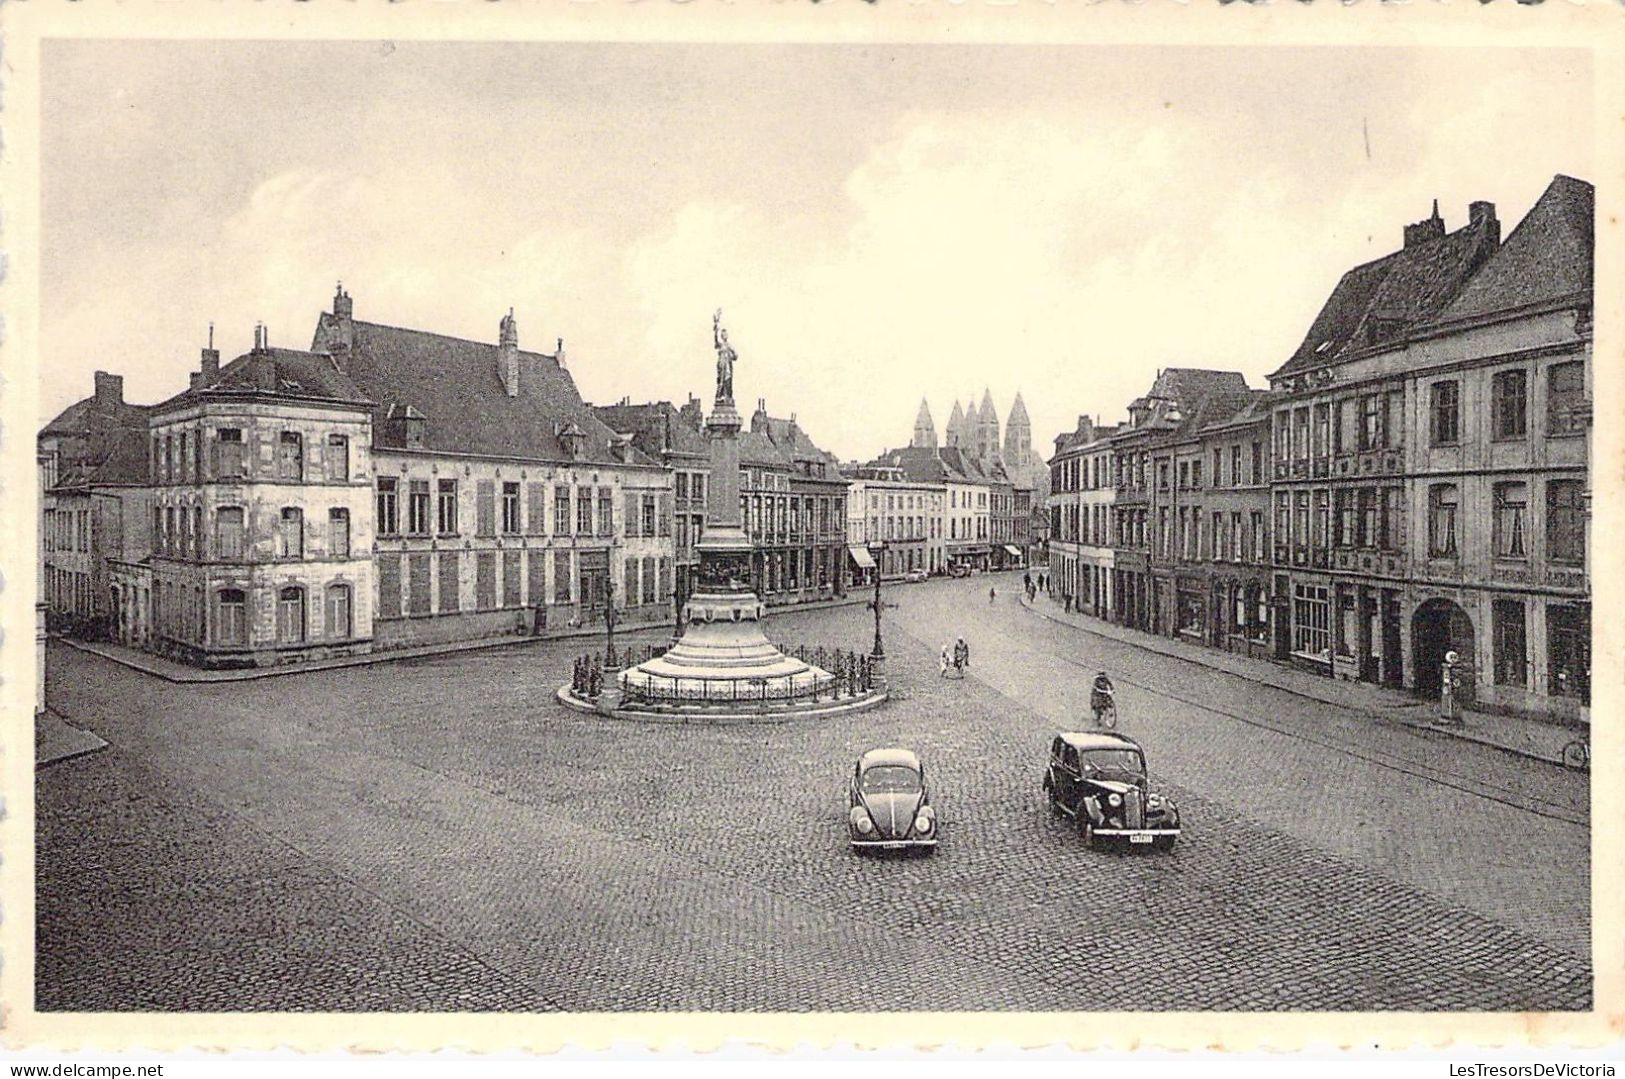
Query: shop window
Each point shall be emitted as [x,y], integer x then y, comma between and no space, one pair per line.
[1568,651]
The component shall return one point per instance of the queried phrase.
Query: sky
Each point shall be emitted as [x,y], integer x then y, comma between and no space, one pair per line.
[879,224]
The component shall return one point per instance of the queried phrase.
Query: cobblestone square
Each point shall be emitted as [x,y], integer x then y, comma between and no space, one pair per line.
[439,834]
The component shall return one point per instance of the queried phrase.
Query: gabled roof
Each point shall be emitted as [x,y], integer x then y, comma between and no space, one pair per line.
[282,372]
[1186,385]
[1380,301]
[457,386]
[1548,258]
[921,464]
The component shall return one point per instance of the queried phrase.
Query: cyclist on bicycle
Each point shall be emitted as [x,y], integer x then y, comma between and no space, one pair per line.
[1101,697]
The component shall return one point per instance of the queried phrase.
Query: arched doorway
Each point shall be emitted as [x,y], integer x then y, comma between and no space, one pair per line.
[1440,626]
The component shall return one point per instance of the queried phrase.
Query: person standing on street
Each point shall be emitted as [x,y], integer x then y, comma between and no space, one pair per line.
[943,660]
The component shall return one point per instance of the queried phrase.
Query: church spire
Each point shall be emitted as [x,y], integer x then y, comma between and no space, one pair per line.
[925,432]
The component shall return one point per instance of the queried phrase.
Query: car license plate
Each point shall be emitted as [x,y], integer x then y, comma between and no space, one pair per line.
[1140,838]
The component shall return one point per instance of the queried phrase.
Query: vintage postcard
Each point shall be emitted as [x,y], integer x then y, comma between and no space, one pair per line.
[899,525]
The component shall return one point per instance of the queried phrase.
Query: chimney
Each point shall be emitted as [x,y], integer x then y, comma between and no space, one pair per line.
[343,306]
[558,353]
[211,359]
[193,380]
[1482,214]
[508,354]
[260,366]
[109,389]
[1431,228]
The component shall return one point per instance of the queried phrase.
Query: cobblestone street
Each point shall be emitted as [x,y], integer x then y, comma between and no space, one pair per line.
[439,834]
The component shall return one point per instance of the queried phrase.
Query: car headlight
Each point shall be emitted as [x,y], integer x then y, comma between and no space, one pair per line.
[1154,802]
[923,823]
[861,821]
[1114,800]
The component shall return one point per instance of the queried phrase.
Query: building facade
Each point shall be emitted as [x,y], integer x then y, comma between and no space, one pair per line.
[1083,493]
[261,528]
[1434,469]
[903,514]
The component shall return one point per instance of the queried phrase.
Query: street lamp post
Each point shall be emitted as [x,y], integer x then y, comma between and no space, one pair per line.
[609,627]
[877,658]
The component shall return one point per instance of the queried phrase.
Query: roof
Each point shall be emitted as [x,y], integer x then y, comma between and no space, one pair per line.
[1254,408]
[1018,413]
[457,385]
[1098,740]
[890,756]
[1549,256]
[1380,301]
[113,457]
[92,414]
[757,449]
[282,372]
[921,464]
[656,427]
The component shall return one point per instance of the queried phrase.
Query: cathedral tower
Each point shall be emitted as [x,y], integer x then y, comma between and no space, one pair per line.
[925,432]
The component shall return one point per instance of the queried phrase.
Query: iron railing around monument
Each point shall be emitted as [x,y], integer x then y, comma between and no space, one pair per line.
[848,674]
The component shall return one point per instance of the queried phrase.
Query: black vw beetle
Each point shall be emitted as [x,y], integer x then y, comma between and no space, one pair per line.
[1098,779]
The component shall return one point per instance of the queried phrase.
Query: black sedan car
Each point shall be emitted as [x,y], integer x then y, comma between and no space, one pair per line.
[1098,779]
[890,808]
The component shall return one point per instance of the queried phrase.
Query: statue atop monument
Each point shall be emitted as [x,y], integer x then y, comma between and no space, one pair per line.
[725,359]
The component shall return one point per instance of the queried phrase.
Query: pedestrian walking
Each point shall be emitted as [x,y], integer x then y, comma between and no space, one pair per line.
[961,655]
[1027,581]
[992,594]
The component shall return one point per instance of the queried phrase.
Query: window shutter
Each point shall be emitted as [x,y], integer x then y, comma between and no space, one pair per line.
[536,519]
[485,507]
[630,513]
[266,441]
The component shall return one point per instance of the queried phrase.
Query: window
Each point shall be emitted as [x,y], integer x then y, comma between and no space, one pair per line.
[290,615]
[536,573]
[338,533]
[1343,517]
[629,515]
[169,457]
[1283,517]
[1323,518]
[1565,522]
[1511,517]
[699,488]
[170,543]
[446,507]
[1366,534]
[606,511]
[1510,661]
[290,458]
[646,517]
[185,464]
[1568,651]
[1445,413]
[290,538]
[338,611]
[1196,473]
[1300,522]
[561,514]
[510,508]
[417,507]
[561,571]
[388,513]
[629,582]
[338,459]
[231,616]
[389,585]
[682,485]
[1442,520]
[1257,474]
[1311,622]
[1566,411]
[1373,421]
[584,511]
[1392,516]
[1258,535]
[1509,404]
[1323,423]
[1218,468]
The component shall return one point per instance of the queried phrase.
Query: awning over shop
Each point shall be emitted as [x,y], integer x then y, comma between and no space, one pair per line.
[860,557]
[1008,549]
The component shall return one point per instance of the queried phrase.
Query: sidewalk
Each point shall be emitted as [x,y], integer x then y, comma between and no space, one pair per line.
[170,671]
[55,739]
[1525,737]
